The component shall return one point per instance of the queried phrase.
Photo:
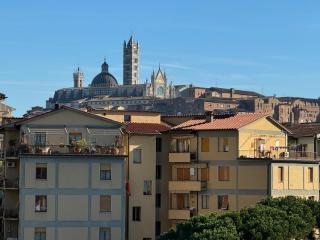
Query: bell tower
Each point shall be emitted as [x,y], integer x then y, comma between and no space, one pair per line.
[78,78]
[130,62]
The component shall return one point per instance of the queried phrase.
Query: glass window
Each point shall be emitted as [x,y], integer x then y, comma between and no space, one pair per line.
[105,171]
[205,145]
[104,234]
[205,201]
[180,145]
[224,173]
[105,203]
[158,200]
[158,145]
[147,187]
[40,233]
[158,172]
[136,214]
[40,139]
[73,137]
[41,171]
[41,203]
[127,118]
[280,174]
[158,228]
[137,155]
[310,174]
[223,144]
[223,202]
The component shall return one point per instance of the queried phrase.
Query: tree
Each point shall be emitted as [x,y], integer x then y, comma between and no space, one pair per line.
[211,227]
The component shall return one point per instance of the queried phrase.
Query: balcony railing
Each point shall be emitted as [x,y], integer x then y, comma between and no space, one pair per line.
[187,185]
[9,183]
[11,213]
[62,149]
[280,154]
[182,214]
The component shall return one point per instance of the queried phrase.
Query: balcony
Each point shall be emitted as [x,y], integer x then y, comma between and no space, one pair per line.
[179,157]
[12,184]
[187,186]
[71,149]
[183,214]
[11,214]
[278,154]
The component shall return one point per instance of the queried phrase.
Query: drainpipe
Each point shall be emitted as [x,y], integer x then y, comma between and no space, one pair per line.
[127,182]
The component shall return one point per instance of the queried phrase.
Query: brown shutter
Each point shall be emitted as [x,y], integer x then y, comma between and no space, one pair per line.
[204,174]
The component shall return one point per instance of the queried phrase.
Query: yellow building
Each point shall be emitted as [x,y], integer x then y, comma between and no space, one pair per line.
[222,163]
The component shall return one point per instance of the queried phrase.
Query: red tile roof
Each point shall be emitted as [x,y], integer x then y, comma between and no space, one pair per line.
[231,123]
[146,128]
[305,129]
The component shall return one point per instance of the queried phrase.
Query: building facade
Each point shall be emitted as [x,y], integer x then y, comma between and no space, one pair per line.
[64,177]
[227,163]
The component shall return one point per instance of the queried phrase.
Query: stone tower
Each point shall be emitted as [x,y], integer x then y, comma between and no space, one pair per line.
[130,62]
[78,78]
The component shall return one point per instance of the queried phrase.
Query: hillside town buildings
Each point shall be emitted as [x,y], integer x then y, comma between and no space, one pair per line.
[119,174]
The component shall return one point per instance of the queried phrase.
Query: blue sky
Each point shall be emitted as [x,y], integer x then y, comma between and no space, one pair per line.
[267,46]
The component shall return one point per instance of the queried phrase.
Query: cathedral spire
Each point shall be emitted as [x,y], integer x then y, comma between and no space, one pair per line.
[104,66]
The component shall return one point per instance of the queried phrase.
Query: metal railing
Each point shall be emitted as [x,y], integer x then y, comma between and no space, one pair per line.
[66,149]
[280,154]
[11,213]
[9,183]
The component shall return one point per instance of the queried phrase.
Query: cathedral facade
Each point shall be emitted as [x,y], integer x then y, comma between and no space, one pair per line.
[105,84]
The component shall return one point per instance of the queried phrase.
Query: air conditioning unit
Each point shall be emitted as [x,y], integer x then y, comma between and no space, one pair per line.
[11,164]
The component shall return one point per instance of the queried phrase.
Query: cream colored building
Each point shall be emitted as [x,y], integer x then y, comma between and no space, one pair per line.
[230,162]
[64,177]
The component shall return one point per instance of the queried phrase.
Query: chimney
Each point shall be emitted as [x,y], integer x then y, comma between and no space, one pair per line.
[209,116]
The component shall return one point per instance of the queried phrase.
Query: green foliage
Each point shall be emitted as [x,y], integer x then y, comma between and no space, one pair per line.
[273,218]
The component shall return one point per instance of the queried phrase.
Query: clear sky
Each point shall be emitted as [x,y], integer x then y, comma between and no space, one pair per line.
[267,46]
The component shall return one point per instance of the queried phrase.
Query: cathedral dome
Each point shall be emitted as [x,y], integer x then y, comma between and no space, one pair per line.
[104,79]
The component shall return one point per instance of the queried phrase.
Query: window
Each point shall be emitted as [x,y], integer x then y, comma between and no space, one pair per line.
[180,145]
[280,174]
[311,198]
[204,174]
[183,174]
[137,155]
[105,203]
[223,144]
[158,172]
[136,214]
[310,174]
[223,202]
[158,145]
[104,234]
[40,139]
[224,173]
[127,118]
[105,171]
[182,201]
[204,144]
[147,187]
[73,137]
[40,233]
[204,201]
[158,228]
[41,171]
[158,200]
[41,203]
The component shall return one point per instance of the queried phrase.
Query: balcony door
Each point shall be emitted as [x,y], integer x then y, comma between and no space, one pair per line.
[182,201]
[183,174]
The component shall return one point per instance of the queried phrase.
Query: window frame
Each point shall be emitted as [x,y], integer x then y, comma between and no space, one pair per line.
[205,201]
[158,200]
[43,171]
[158,172]
[136,214]
[205,144]
[147,187]
[310,174]
[222,200]
[280,174]
[134,159]
[42,233]
[158,144]
[45,203]
[108,200]
[223,173]
[106,232]
[105,172]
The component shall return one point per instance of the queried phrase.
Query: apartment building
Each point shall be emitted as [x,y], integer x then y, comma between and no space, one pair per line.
[146,168]
[64,177]
[225,163]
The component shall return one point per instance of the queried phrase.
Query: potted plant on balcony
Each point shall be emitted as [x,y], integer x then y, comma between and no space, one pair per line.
[79,145]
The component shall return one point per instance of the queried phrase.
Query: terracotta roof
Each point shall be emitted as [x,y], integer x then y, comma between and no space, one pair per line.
[230,123]
[146,128]
[189,123]
[304,129]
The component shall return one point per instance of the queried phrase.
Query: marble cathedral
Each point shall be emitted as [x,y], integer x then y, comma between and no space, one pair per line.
[105,84]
